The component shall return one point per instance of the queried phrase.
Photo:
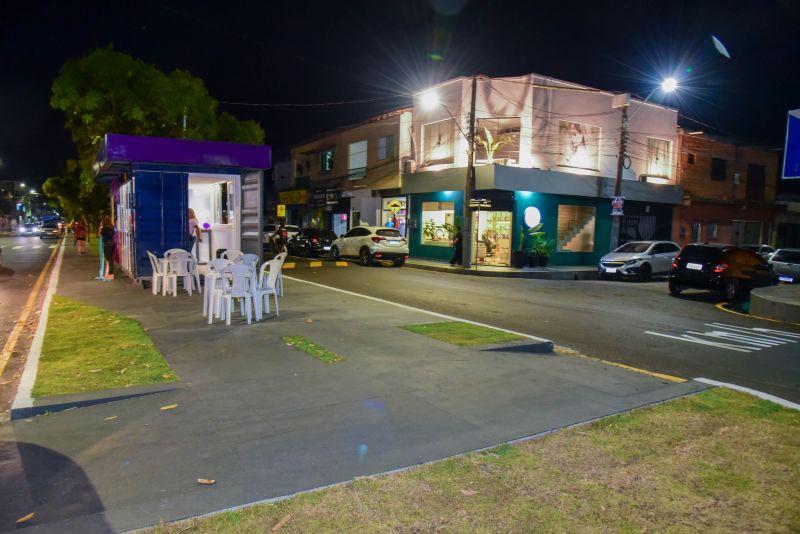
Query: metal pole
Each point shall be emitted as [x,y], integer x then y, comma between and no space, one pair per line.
[469,189]
[616,219]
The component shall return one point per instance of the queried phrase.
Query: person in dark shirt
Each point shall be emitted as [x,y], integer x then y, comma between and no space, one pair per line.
[107,233]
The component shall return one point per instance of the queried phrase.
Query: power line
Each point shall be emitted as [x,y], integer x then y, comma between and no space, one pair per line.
[315,104]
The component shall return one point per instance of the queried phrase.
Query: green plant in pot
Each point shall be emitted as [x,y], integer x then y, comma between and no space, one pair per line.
[530,241]
[544,247]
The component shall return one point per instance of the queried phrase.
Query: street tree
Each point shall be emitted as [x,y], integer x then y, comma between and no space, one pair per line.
[112,92]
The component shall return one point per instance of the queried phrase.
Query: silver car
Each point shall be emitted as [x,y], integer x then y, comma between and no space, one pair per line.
[786,263]
[639,259]
[372,244]
[765,251]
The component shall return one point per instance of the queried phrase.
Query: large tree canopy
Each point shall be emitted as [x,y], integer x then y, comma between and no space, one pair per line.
[113,92]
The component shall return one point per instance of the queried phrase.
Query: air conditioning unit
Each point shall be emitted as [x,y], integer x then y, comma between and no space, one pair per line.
[409,165]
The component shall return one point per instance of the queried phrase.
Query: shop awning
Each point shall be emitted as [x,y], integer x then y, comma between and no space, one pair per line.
[118,152]
[539,181]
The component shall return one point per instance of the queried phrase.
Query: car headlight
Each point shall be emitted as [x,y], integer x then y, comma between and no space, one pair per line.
[35,228]
[631,262]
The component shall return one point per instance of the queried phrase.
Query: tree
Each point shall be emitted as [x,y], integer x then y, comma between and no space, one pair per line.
[113,92]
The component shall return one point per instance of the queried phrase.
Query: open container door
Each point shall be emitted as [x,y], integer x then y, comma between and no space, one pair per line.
[251,225]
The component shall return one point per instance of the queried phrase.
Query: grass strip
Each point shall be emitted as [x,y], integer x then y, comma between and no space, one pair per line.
[720,461]
[312,349]
[87,348]
[461,333]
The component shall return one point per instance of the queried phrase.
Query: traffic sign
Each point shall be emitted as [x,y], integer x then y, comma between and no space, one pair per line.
[281,210]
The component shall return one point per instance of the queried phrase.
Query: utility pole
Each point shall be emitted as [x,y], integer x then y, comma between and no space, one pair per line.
[469,189]
[620,101]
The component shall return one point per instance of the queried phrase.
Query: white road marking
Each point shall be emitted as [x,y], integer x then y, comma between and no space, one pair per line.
[52,246]
[36,246]
[420,310]
[736,338]
[17,246]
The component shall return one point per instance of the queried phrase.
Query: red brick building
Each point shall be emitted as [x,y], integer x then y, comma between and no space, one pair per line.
[729,191]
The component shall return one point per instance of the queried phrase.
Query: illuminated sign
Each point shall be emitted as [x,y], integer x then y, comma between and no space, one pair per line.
[791,158]
[295,196]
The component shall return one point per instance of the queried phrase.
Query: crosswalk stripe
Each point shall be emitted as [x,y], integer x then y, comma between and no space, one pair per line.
[36,246]
[18,246]
[52,246]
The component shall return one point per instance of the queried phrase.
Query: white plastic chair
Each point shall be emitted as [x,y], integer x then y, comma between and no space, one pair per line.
[180,265]
[238,283]
[279,284]
[267,285]
[213,283]
[172,251]
[192,265]
[232,254]
[159,276]
[249,259]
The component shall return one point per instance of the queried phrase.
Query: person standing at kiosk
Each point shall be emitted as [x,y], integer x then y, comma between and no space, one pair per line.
[107,232]
[195,233]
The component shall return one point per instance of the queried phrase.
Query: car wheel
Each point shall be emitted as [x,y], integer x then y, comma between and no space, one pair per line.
[674,288]
[363,256]
[731,289]
[335,253]
[645,272]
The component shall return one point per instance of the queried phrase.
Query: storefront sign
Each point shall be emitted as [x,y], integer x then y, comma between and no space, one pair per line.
[295,196]
[395,205]
[617,205]
[480,203]
[280,211]
[322,198]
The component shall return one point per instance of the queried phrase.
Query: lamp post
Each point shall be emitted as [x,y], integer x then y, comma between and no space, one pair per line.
[621,102]
[430,100]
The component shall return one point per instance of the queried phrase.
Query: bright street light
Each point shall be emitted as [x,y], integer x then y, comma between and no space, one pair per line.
[669,85]
[429,100]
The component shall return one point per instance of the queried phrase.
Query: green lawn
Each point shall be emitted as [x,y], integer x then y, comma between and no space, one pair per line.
[720,461]
[462,334]
[312,349]
[88,348]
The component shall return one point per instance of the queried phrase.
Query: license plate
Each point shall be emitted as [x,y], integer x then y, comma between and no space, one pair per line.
[326,248]
[786,279]
[695,266]
[611,269]
[394,243]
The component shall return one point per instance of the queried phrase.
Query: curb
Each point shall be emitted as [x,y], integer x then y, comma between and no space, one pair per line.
[754,392]
[60,403]
[533,275]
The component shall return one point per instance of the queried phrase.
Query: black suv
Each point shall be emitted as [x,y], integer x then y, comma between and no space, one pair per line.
[724,268]
[311,242]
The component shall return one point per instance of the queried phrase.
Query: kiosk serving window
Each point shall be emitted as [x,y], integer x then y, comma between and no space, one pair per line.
[437,217]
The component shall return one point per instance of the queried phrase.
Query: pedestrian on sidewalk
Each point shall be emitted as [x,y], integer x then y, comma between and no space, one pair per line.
[79,233]
[458,247]
[195,233]
[107,233]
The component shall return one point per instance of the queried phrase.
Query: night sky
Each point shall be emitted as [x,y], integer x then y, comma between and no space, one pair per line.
[296,52]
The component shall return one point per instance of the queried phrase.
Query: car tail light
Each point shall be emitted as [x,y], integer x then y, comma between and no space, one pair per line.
[377,255]
[675,263]
[314,240]
[721,266]
[378,238]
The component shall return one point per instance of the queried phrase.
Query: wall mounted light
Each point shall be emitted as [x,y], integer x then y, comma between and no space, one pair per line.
[532,216]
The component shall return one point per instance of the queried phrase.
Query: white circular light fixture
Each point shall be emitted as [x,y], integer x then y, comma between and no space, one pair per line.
[532,216]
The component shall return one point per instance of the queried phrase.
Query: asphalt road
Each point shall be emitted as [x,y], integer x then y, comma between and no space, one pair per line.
[638,324]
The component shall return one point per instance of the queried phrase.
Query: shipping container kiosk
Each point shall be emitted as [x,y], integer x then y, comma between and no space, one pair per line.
[154,181]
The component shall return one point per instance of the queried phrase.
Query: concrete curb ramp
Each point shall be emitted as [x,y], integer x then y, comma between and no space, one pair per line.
[781,302]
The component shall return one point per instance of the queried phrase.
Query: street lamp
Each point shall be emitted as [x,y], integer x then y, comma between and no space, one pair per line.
[622,101]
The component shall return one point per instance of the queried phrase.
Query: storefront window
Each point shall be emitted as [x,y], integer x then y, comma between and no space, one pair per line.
[438,219]
[576,226]
[393,213]
[493,237]
[579,145]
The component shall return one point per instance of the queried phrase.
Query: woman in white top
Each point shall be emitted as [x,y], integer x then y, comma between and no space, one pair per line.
[195,233]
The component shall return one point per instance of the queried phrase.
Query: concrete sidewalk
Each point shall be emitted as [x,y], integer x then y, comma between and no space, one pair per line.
[266,420]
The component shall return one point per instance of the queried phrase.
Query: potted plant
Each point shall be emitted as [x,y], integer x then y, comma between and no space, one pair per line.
[531,240]
[544,247]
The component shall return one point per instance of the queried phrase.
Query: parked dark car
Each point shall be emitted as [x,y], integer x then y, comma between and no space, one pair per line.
[724,268]
[51,230]
[311,242]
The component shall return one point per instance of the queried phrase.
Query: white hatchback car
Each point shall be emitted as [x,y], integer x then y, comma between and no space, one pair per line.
[372,243]
[639,259]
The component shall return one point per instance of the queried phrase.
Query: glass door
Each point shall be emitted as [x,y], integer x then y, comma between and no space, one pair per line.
[492,237]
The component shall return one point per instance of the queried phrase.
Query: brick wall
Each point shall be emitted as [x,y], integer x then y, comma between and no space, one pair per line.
[695,177]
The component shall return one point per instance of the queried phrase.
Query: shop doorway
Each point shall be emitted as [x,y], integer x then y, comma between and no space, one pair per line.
[214,199]
[746,232]
[493,237]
